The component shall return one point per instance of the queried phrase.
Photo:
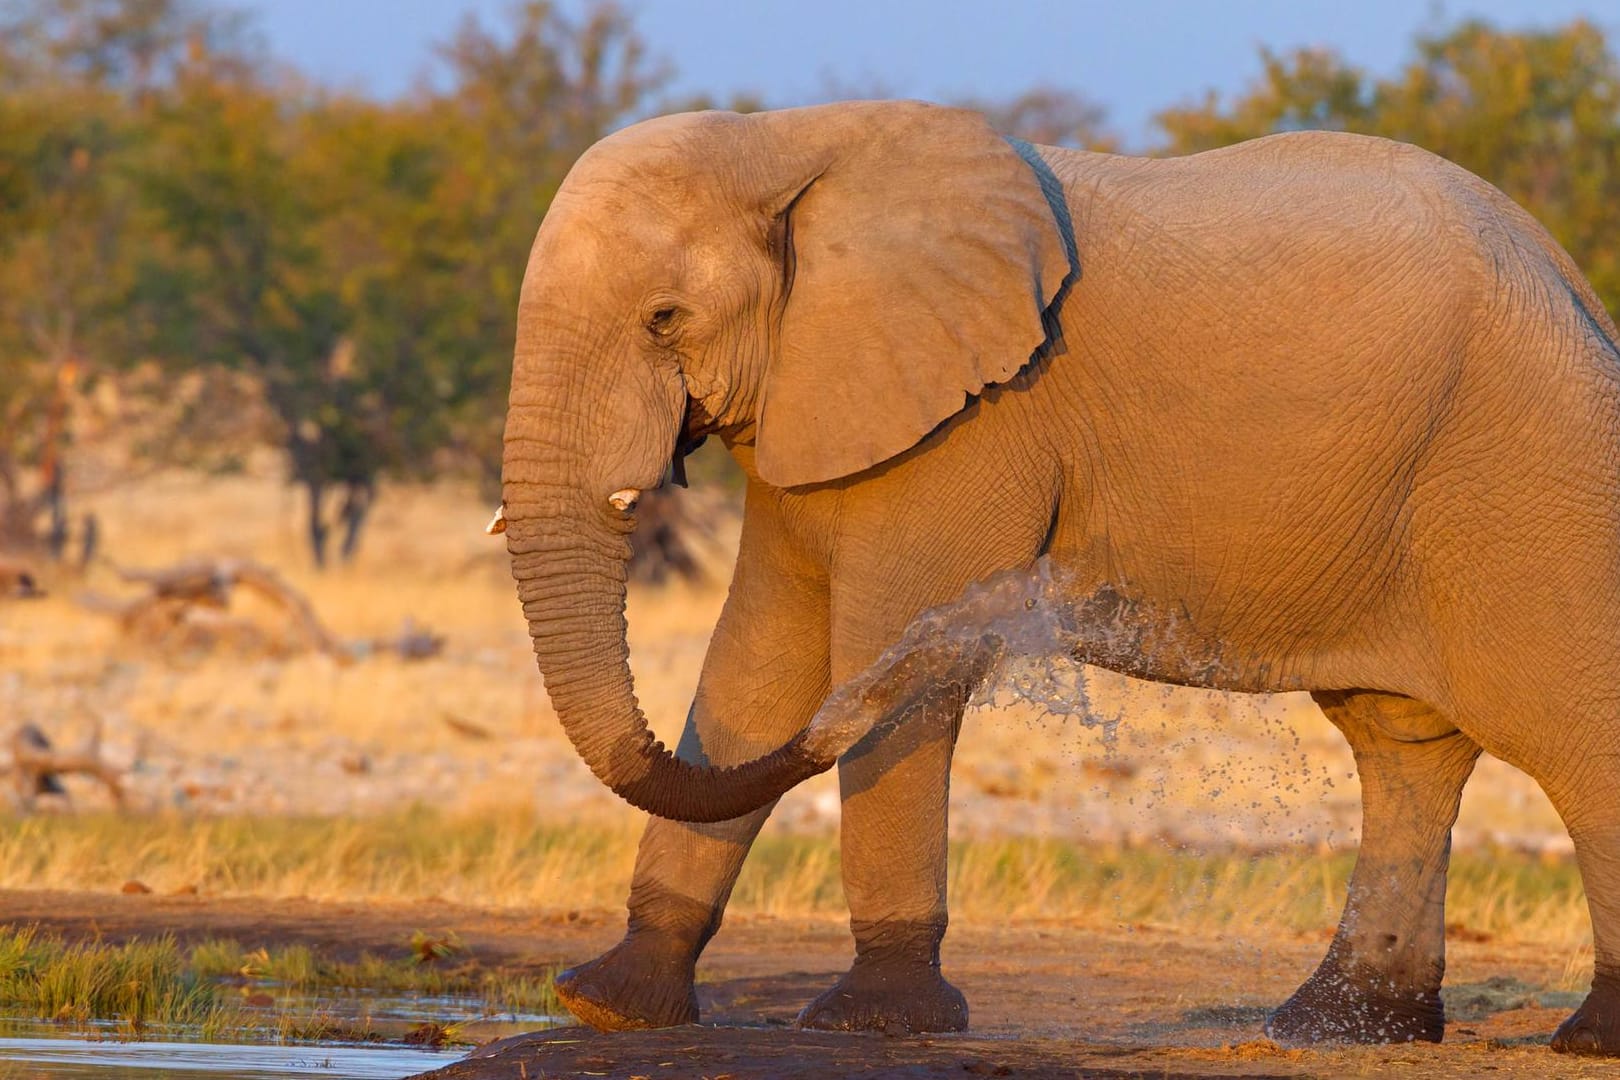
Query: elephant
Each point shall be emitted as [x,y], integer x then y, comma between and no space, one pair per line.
[1316,412]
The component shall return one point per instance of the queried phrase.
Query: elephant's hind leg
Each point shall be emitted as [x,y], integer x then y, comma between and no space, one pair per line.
[1586,792]
[1380,980]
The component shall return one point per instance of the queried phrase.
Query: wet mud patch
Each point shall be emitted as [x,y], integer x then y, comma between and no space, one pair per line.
[755,1053]
[1503,993]
[714,1052]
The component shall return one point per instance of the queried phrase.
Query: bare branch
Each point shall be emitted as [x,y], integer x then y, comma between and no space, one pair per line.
[37,767]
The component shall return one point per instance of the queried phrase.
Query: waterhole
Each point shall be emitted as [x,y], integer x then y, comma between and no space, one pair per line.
[104,1051]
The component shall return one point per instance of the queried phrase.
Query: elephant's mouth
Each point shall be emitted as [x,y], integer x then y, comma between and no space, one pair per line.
[696,427]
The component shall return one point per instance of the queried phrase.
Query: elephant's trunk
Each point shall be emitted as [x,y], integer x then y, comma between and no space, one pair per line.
[569,559]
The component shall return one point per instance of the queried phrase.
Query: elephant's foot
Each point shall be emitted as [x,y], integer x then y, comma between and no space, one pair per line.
[1355,1004]
[894,996]
[642,982]
[1595,1027]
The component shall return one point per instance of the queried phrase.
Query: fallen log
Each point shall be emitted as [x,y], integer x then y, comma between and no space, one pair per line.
[17,581]
[186,606]
[209,583]
[37,767]
[182,603]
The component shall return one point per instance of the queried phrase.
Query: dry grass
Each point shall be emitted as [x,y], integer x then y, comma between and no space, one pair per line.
[522,860]
[1499,894]
[212,720]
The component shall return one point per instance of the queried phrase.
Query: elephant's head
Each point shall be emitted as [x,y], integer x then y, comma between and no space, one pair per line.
[826,284]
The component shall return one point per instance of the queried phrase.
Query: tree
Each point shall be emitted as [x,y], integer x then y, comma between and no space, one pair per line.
[60,221]
[76,80]
[361,259]
[1051,117]
[127,47]
[1535,113]
[1305,89]
[167,200]
[229,274]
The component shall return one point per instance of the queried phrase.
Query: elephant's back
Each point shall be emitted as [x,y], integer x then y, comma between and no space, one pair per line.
[1297,198]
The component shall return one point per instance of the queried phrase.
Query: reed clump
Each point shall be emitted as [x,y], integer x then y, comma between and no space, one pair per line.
[299,968]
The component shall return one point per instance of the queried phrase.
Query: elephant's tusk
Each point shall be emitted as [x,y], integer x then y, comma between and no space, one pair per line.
[625,498]
[497,524]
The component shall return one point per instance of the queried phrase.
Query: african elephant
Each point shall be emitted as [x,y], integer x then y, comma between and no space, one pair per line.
[1338,410]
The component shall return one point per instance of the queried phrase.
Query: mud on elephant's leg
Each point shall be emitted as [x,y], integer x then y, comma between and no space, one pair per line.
[684,874]
[1380,980]
[894,728]
[683,877]
[1594,1028]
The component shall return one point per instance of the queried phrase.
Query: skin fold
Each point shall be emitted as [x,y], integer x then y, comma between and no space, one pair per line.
[1316,412]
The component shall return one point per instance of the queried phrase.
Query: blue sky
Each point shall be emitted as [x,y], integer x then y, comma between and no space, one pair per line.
[1132,56]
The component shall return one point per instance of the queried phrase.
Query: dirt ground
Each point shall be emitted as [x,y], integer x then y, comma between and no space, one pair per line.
[1048,998]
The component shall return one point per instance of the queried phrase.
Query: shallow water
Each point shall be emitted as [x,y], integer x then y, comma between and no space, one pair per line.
[390,1014]
[61,1059]
[31,1048]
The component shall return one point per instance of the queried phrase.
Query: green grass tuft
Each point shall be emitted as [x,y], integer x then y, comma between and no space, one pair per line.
[138,983]
[146,985]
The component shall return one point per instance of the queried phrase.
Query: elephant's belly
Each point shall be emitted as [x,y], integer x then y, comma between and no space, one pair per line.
[990,635]
[1052,610]
[1110,628]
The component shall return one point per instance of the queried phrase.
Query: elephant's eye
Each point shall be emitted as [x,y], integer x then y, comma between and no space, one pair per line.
[661,323]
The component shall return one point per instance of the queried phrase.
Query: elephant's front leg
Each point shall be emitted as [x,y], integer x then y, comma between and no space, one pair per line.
[1380,981]
[895,789]
[895,785]
[763,678]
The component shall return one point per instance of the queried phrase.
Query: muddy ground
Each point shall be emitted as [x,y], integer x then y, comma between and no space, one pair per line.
[1048,998]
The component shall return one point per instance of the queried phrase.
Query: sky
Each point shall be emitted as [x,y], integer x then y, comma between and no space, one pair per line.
[1133,57]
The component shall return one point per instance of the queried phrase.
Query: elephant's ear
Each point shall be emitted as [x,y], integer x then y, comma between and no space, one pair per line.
[920,254]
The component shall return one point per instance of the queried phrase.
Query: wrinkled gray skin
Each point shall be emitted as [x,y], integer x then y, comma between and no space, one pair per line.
[1341,407]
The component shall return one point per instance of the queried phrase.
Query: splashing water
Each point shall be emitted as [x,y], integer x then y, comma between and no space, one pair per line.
[1020,635]
[1222,764]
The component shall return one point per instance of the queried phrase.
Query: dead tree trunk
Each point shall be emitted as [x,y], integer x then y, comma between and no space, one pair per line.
[37,767]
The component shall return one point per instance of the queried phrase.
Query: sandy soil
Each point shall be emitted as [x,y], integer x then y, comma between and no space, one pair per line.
[1049,998]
